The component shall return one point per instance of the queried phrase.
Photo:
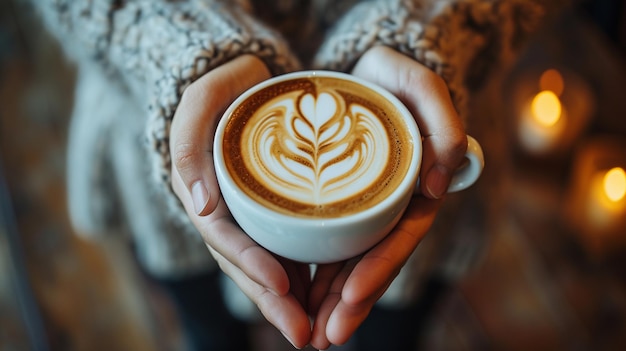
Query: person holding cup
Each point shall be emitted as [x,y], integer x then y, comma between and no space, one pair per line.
[188,60]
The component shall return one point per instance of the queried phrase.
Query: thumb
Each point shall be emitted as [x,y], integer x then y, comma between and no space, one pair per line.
[426,95]
[193,128]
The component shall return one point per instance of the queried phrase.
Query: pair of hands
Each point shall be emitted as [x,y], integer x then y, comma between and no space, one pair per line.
[340,296]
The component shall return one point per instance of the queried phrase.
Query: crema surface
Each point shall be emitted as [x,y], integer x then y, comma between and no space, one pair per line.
[317,147]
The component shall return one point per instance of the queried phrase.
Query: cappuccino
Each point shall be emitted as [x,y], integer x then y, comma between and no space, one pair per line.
[317,147]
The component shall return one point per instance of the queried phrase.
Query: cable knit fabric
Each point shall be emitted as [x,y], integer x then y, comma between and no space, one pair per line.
[152,50]
[456,39]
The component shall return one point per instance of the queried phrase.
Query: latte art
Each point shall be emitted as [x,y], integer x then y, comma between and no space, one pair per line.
[315,149]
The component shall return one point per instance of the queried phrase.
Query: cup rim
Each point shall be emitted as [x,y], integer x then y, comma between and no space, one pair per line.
[389,203]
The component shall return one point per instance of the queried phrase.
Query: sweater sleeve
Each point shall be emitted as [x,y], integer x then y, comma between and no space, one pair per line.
[157,48]
[460,40]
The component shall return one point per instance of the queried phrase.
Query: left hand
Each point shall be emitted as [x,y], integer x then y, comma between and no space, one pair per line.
[342,294]
[277,286]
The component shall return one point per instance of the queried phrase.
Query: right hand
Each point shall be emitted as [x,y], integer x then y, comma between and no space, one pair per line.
[342,294]
[278,287]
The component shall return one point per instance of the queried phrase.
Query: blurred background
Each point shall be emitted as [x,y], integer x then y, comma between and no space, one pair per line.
[541,264]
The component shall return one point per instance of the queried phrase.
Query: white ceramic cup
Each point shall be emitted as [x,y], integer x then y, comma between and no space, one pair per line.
[325,240]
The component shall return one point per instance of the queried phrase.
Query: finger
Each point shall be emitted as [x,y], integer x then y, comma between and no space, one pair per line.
[245,254]
[194,125]
[319,339]
[332,277]
[383,262]
[377,269]
[427,97]
[284,312]
[220,232]
[299,279]
[324,276]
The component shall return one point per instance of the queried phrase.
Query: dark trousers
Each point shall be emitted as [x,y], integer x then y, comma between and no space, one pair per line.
[207,323]
[210,326]
[400,329]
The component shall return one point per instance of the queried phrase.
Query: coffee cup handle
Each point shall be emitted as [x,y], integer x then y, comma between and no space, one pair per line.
[470,172]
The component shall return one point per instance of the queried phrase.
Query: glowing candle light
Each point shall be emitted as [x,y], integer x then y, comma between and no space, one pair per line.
[546,108]
[614,184]
[607,204]
[542,122]
[552,109]
[595,204]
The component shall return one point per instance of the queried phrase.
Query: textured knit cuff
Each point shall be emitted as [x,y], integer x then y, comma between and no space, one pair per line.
[458,40]
[173,44]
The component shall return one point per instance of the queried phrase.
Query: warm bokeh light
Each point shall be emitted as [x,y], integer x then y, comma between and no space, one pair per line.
[546,108]
[552,80]
[615,184]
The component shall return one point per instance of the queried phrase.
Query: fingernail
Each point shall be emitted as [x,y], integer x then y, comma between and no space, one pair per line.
[437,181]
[200,196]
[288,339]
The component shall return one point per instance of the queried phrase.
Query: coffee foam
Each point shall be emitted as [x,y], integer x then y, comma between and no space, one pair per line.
[328,147]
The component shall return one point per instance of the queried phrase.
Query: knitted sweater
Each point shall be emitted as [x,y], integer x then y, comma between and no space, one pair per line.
[136,57]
